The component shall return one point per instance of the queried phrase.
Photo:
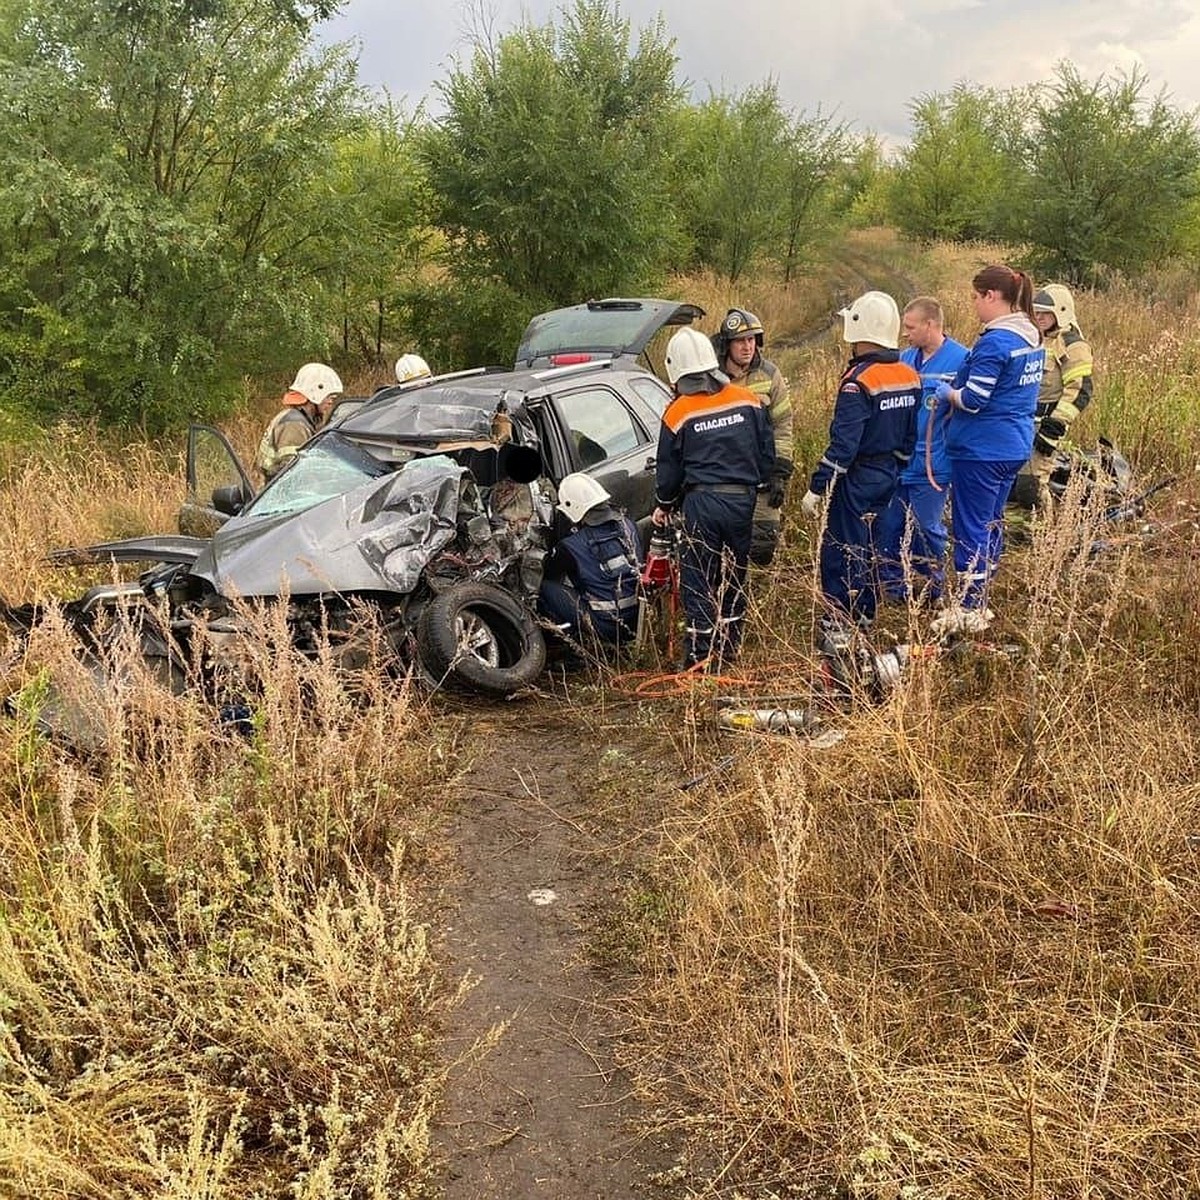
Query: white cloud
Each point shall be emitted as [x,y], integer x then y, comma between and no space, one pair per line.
[863,59]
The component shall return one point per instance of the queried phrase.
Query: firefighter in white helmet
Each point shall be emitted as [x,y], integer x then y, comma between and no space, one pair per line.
[715,451]
[871,439]
[410,367]
[1066,388]
[306,406]
[590,578]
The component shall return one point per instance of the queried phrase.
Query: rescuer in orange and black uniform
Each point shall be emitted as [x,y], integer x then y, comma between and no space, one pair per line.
[715,450]
[871,439]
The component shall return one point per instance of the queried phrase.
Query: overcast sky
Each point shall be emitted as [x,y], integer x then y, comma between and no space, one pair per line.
[862,59]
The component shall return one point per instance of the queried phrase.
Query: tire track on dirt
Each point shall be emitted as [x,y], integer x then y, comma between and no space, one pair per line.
[871,274]
[546,1111]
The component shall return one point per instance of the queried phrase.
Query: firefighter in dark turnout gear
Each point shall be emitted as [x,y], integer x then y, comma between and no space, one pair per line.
[591,576]
[871,439]
[715,451]
[739,346]
[1066,388]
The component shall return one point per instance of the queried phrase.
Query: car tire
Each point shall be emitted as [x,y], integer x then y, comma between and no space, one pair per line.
[479,638]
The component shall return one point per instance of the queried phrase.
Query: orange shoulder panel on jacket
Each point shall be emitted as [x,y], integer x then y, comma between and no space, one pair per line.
[888,376]
[683,408]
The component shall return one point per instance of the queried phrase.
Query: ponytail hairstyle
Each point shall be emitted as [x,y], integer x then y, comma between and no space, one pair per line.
[1015,286]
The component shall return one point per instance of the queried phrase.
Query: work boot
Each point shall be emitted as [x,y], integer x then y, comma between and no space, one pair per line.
[957,619]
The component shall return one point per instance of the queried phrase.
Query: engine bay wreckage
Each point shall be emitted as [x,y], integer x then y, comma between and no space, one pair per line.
[422,550]
[411,529]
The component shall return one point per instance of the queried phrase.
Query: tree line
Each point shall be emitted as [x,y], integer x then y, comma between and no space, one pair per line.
[194,193]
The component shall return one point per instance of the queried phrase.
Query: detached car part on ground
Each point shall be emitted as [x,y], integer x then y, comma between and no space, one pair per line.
[429,505]
[1105,469]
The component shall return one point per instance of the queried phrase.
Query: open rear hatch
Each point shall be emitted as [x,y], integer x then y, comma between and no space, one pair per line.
[599,329]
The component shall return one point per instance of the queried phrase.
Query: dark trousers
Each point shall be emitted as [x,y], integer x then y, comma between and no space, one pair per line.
[716,547]
[561,604]
[847,557]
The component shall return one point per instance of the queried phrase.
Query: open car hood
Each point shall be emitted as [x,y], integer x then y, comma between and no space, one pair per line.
[159,548]
[600,328]
[378,536]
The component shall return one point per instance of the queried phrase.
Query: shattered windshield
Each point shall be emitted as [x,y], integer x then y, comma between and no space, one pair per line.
[325,468]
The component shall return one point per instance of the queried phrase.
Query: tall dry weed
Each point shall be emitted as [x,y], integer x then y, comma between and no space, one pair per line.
[956,954]
[213,982]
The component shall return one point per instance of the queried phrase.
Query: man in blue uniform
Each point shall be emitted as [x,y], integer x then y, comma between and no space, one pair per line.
[910,563]
[715,450]
[871,440]
[591,576]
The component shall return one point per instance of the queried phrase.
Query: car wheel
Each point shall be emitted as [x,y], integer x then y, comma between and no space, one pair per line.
[479,637]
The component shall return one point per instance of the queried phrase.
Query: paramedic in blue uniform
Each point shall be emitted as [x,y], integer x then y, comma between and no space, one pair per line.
[715,450]
[911,534]
[590,581]
[989,435]
[871,440]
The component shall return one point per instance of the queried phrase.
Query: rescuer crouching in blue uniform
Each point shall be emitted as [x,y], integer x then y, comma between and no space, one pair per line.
[590,578]
[871,439]
[715,450]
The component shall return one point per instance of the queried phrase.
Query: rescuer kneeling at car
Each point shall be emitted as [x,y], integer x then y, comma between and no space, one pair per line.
[715,450]
[590,580]
[306,406]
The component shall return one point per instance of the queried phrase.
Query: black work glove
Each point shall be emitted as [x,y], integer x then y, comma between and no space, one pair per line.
[777,484]
[1049,433]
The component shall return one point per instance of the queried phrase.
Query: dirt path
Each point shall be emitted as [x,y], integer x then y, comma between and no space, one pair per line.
[546,1111]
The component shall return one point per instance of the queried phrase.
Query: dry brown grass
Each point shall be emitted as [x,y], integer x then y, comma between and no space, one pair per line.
[213,980]
[955,955]
[958,954]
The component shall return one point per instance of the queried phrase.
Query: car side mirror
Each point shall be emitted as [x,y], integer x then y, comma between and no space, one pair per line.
[229,499]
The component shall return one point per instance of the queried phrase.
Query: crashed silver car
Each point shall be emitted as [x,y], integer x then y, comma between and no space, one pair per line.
[430,504]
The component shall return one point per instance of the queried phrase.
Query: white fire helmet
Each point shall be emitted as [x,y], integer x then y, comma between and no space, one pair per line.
[874,318]
[317,382]
[1056,299]
[689,352]
[578,494]
[411,366]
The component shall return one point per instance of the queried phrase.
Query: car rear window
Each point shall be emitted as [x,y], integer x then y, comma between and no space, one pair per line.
[604,330]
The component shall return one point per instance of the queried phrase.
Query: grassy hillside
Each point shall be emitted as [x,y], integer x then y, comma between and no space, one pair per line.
[955,955]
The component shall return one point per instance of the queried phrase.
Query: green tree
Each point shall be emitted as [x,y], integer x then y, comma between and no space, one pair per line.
[867,182]
[171,172]
[755,182]
[732,176]
[382,243]
[961,173]
[818,153]
[1114,177]
[547,174]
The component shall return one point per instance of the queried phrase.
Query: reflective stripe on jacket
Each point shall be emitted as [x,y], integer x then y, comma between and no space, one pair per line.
[289,429]
[606,572]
